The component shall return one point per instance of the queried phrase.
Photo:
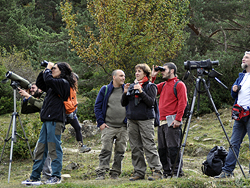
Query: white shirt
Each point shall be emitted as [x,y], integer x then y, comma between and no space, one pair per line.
[244,93]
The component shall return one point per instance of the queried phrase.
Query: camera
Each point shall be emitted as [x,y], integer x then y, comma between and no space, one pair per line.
[21,81]
[160,68]
[44,63]
[205,64]
[132,91]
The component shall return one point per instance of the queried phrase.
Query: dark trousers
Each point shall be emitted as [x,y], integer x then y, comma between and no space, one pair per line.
[168,148]
[75,124]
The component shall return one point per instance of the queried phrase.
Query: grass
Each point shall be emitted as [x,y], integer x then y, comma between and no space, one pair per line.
[203,134]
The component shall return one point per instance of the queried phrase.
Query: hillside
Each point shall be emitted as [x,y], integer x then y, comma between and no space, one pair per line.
[204,133]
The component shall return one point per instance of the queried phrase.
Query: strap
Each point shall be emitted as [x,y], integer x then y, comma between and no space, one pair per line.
[106,90]
[175,91]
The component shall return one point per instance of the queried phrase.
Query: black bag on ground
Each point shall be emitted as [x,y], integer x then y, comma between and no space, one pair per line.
[215,161]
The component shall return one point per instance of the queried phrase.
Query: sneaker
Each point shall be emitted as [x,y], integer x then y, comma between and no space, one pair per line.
[84,149]
[156,175]
[114,176]
[53,180]
[32,182]
[45,178]
[136,177]
[224,174]
[100,177]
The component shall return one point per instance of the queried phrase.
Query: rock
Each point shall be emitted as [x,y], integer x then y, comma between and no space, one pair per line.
[72,166]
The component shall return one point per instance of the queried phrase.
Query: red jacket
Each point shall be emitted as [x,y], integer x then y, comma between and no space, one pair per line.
[168,103]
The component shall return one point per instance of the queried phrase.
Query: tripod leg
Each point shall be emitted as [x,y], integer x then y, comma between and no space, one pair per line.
[188,125]
[218,116]
[6,139]
[12,143]
[26,139]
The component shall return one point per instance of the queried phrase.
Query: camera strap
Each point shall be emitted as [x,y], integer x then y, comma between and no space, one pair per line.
[238,112]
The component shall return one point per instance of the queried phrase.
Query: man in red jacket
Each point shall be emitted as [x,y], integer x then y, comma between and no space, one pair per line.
[171,111]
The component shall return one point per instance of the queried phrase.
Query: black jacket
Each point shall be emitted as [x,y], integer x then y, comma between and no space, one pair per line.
[57,90]
[145,108]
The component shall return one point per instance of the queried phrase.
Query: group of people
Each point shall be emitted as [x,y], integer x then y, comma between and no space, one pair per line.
[125,112]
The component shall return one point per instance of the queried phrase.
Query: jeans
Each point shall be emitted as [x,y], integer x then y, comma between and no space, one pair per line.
[49,141]
[240,129]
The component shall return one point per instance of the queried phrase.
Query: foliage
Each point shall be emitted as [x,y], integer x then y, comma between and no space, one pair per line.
[130,32]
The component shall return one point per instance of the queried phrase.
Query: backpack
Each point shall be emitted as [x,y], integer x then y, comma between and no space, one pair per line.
[215,161]
[71,103]
[186,111]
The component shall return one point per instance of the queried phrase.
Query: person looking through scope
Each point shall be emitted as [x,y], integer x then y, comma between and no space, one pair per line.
[240,91]
[171,109]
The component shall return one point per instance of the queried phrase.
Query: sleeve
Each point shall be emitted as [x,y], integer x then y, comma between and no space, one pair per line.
[28,109]
[182,100]
[124,99]
[235,94]
[98,107]
[40,82]
[37,102]
[149,96]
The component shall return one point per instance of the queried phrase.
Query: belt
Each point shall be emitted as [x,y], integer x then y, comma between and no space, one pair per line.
[162,122]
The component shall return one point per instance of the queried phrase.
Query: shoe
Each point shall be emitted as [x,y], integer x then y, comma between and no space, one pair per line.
[53,180]
[114,176]
[100,177]
[84,149]
[32,182]
[224,174]
[157,174]
[136,177]
[45,178]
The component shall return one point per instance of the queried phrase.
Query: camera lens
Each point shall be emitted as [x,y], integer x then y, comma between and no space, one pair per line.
[44,63]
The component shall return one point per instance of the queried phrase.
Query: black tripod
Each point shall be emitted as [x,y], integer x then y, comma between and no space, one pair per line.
[200,73]
[13,138]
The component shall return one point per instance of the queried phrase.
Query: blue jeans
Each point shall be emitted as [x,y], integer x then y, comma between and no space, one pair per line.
[49,140]
[240,129]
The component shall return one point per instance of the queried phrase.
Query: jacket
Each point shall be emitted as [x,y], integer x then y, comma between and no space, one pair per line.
[102,102]
[145,108]
[58,90]
[237,82]
[33,104]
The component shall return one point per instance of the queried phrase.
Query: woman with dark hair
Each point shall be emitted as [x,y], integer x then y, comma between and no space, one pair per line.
[139,98]
[56,81]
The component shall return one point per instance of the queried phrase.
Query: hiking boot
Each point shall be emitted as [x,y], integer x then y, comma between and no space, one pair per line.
[157,174]
[53,180]
[114,176]
[32,182]
[224,174]
[100,177]
[84,149]
[136,177]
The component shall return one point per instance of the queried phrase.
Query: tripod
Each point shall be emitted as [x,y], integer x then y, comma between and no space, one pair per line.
[200,79]
[14,132]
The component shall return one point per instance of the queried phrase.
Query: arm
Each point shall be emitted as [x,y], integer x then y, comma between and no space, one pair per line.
[182,100]
[149,96]
[98,107]
[124,99]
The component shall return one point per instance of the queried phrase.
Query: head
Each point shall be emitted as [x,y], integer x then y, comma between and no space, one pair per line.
[170,71]
[34,91]
[118,78]
[142,70]
[246,60]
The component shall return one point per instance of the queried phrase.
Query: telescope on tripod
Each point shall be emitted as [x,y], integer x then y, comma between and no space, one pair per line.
[203,68]
[16,82]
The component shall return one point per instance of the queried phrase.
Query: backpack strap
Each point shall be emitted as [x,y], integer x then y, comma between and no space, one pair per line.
[106,90]
[175,85]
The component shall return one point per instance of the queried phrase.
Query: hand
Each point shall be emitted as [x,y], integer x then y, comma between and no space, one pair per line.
[138,87]
[154,73]
[235,88]
[103,126]
[24,93]
[176,124]
[126,86]
[50,65]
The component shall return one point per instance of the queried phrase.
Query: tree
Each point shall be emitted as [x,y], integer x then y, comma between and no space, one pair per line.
[130,32]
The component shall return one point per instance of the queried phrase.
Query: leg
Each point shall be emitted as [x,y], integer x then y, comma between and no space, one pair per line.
[163,151]
[119,150]
[239,131]
[135,141]
[40,154]
[107,139]
[54,146]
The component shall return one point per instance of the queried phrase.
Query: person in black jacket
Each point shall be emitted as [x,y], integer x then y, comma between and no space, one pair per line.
[56,81]
[139,98]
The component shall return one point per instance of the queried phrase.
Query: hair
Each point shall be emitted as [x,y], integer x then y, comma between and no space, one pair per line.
[33,83]
[115,71]
[247,52]
[146,69]
[67,74]
[170,66]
